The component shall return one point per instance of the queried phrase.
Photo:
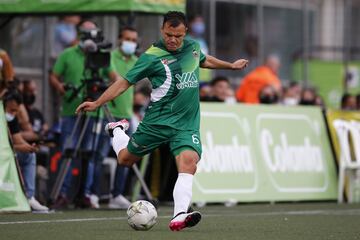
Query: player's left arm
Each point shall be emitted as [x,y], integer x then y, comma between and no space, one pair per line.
[214,63]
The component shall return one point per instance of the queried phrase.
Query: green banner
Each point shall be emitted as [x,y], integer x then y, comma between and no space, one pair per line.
[264,153]
[12,197]
[75,6]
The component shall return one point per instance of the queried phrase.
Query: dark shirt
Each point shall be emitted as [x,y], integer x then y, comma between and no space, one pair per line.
[36,119]
[14,126]
[210,99]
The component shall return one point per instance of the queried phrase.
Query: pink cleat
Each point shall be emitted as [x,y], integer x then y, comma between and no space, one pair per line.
[184,220]
[122,124]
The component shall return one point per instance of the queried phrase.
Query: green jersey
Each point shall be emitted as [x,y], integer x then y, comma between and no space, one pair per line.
[175,81]
[70,66]
[122,106]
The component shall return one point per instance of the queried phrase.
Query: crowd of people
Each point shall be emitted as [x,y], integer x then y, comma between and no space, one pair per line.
[29,129]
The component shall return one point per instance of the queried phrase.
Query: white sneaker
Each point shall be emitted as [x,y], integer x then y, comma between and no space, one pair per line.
[183,220]
[119,202]
[36,206]
[94,200]
[122,124]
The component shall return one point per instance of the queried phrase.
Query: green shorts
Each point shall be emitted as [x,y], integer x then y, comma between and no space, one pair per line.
[148,137]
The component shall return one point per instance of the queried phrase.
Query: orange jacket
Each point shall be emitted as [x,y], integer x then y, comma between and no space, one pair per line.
[250,87]
[7,71]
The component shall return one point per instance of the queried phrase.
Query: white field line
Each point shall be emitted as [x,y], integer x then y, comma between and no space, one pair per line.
[341,212]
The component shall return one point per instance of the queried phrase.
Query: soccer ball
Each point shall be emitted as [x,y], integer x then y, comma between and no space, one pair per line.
[141,215]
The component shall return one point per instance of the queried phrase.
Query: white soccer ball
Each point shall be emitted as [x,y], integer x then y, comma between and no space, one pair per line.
[141,215]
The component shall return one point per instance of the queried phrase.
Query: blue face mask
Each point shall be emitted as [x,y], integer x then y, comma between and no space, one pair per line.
[128,47]
[198,28]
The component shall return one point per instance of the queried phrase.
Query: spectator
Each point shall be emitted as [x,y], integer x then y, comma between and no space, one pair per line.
[291,94]
[205,91]
[308,97]
[36,118]
[6,71]
[70,68]
[348,102]
[358,102]
[24,151]
[220,87]
[249,90]
[65,33]
[39,127]
[197,30]
[268,95]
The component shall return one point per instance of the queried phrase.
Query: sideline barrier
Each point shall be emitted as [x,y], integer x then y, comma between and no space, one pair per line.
[264,153]
[12,198]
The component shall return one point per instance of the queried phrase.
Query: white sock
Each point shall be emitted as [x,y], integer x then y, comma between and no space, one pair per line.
[120,140]
[182,192]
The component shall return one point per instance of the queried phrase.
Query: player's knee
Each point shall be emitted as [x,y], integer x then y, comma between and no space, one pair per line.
[126,159]
[187,162]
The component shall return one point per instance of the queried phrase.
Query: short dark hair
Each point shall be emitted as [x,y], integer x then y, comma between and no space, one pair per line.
[175,18]
[126,28]
[219,79]
[344,98]
[78,26]
[12,95]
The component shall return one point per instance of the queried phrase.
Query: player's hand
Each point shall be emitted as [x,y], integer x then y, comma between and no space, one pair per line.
[240,64]
[87,106]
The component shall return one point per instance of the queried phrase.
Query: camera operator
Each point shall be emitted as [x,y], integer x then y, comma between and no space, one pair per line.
[122,59]
[70,67]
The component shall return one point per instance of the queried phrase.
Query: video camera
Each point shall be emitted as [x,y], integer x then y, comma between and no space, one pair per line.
[97,56]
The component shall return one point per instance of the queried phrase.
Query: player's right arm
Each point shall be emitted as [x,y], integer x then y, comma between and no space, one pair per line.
[141,70]
[118,87]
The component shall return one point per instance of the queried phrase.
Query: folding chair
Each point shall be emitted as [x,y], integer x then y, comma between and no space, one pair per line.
[347,164]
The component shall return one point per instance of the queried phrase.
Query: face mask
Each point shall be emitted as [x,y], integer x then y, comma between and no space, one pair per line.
[290,101]
[128,48]
[198,28]
[268,99]
[9,117]
[29,99]
[307,102]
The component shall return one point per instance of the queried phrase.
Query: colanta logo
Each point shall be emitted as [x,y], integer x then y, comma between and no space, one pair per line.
[227,163]
[291,149]
[284,157]
[225,158]
[187,80]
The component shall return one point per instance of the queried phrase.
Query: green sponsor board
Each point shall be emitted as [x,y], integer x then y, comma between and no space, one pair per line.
[12,197]
[264,153]
[60,6]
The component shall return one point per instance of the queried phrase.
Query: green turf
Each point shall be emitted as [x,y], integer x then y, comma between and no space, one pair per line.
[255,221]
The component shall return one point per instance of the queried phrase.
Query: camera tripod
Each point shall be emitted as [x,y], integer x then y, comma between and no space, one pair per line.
[71,153]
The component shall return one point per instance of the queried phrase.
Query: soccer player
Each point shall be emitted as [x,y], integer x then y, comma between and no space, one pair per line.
[173,116]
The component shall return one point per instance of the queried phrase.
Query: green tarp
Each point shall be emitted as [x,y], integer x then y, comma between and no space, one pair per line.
[68,6]
[12,197]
